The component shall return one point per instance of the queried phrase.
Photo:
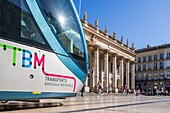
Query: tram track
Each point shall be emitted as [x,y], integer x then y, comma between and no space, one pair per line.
[18,105]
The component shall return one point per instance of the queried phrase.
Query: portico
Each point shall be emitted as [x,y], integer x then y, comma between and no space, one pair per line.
[110,61]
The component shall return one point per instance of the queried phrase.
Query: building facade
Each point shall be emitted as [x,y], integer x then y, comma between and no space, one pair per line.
[111,62]
[153,69]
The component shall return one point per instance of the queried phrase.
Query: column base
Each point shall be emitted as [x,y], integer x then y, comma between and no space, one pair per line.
[86,88]
[116,90]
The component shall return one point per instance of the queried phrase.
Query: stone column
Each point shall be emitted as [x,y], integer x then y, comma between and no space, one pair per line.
[127,73]
[106,70]
[102,73]
[96,64]
[93,78]
[86,85]
[133,76]
[121,72]
[90,69]
[114,74]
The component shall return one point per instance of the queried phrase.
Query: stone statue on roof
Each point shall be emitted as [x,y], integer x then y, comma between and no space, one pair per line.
[106,29]
[121,38]
[96,23]
[132,45]
[85,16]
[127,42]
[114,34]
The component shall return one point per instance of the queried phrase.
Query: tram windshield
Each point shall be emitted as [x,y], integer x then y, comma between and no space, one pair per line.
[64,23]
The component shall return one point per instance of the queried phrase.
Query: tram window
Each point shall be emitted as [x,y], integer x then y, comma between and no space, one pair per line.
[62,21]
[9,20]
[64,24]
[29,30]
[17,24]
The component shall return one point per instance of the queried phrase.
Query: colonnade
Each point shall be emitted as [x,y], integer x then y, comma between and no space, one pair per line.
[111,69]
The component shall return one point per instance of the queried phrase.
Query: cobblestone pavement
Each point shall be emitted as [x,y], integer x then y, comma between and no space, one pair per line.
[105,104]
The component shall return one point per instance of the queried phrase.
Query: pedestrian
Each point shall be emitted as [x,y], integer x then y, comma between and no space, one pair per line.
[82,91]
[129,91]
[122,91]
[126,90]
[109,90]
[162,91]
[157,92]
[90,91]
[166,92]
[99,88]
[137,90]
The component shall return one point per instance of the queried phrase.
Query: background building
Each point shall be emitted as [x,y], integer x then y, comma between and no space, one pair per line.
[153,68]
[110,61]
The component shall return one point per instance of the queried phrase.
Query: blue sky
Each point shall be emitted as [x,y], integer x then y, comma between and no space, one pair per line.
[141,21]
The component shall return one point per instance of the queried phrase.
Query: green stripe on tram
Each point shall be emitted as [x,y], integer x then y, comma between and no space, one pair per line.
[14,57]
[1,45]
[9,47]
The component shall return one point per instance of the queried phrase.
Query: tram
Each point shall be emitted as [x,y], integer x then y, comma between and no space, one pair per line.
[43,51]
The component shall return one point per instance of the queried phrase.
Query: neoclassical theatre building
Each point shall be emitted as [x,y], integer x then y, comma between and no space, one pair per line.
[111,62]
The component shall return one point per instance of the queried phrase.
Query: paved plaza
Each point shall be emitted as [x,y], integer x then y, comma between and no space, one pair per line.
[106,104]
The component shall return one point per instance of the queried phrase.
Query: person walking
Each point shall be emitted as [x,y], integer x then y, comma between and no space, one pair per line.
[122,91]
[137,90]
[109,90]
[82,91]
[157,92]
[126,90]
[162,91]
[99,88]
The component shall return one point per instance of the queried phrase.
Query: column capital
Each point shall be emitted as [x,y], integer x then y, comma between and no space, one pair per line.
[96,46]
[121,58]
[127,60]
[106,51]
[132,62]
[114,54]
